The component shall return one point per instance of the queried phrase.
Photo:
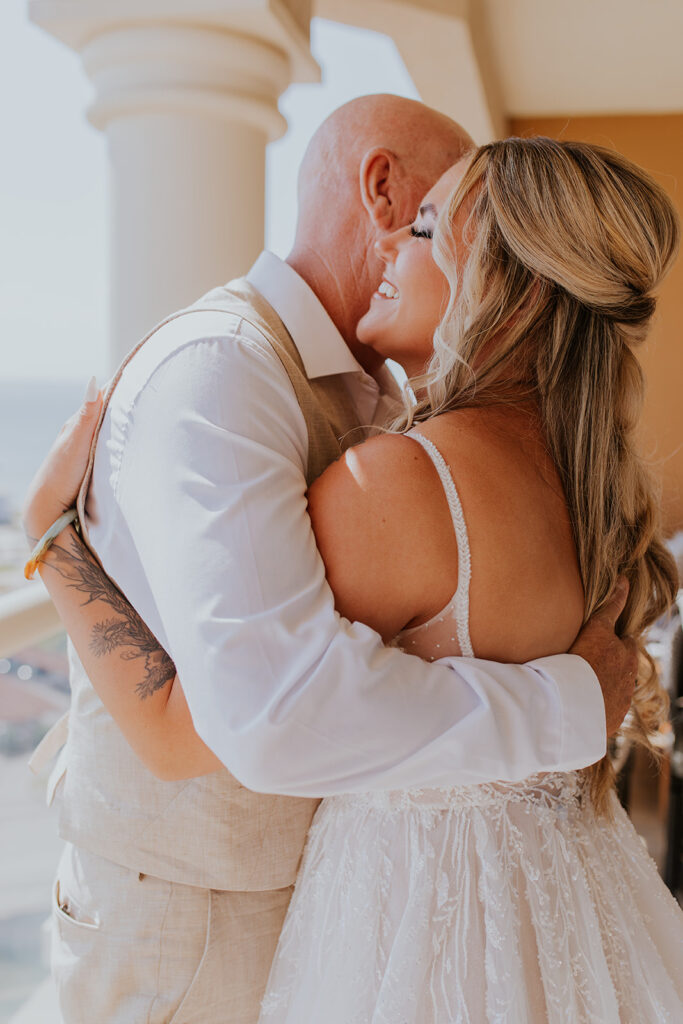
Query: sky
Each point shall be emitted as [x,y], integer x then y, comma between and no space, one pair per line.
[53,186]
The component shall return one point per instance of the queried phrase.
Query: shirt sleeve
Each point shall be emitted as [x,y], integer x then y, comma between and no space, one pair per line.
[292,698]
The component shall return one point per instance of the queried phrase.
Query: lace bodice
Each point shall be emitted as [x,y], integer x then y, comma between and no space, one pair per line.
[545,791]
[447,632]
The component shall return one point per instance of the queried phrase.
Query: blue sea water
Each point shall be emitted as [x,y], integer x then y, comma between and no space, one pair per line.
[31,413]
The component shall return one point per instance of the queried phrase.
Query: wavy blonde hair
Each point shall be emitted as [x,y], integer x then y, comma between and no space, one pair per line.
[564,245]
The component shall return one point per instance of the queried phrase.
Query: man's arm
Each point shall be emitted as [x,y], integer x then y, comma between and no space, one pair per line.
[290,697]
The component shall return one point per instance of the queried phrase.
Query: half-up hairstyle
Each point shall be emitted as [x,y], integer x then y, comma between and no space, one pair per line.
[563,247]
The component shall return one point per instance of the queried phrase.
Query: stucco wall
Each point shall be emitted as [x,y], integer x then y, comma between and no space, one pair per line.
[656,143]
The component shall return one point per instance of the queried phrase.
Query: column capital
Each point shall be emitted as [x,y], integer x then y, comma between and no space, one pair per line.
[178,69]
[282,24]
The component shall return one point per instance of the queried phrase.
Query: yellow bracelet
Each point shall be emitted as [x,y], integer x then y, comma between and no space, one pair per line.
[47,539]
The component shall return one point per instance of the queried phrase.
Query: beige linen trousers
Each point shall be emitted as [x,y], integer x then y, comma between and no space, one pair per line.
[128,948]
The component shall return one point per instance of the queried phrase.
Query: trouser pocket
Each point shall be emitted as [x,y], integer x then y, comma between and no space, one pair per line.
[68,912]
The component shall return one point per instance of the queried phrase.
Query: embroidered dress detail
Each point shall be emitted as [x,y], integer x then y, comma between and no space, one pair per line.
[492,904]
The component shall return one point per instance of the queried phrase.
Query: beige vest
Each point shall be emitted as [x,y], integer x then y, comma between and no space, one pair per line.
[210,831]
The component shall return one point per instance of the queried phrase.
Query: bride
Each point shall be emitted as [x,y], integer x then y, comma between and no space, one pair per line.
[493,519]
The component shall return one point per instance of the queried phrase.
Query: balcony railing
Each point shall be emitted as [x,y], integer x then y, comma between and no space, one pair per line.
[27,616]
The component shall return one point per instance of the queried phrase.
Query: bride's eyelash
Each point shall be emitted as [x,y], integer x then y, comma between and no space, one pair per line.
[420,232]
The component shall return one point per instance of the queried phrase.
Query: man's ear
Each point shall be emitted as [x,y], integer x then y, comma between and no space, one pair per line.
[375,174]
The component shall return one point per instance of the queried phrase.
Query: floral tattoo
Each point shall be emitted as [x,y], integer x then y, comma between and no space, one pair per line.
[125,631]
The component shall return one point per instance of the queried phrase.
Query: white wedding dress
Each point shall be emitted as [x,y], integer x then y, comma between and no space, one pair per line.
[503,902]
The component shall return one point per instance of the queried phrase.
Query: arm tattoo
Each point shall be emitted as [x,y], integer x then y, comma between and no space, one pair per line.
[124,630]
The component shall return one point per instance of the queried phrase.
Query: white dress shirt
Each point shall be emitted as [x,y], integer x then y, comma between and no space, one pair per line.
[197,509]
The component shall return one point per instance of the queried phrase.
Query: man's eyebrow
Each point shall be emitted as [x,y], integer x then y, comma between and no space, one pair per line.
[427,208]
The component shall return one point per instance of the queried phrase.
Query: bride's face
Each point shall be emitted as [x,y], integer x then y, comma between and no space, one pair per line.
[409,303]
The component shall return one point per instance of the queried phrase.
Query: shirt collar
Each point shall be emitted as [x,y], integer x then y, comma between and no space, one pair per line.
[322,349]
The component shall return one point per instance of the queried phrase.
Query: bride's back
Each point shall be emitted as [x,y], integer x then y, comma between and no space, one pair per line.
[526,596]
[386,533]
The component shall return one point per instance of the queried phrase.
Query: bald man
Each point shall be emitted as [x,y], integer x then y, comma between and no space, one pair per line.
[171,894]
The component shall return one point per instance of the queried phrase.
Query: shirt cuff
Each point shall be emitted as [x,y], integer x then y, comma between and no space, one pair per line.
[582,709]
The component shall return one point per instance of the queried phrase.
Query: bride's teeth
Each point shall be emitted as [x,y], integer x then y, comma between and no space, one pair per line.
[388,289]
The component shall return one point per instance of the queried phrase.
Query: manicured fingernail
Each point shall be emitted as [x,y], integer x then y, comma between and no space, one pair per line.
[92,391]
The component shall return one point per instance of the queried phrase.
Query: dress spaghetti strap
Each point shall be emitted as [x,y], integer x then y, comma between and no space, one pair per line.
[459,605]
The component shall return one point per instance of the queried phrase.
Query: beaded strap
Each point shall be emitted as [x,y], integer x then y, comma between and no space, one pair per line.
[461,601]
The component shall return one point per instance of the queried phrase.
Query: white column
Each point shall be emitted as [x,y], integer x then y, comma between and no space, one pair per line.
[187,113]
[188,109]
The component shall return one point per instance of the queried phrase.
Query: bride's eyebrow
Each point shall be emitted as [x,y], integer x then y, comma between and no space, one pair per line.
[427,208]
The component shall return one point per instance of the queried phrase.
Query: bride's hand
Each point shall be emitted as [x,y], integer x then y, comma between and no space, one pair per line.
[55,486]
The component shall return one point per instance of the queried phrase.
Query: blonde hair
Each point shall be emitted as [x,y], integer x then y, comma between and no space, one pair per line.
[564,244]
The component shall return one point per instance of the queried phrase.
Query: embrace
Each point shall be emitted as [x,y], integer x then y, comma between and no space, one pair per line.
[373,641]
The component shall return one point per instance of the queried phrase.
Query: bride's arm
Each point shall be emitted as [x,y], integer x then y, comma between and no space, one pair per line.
[132,674]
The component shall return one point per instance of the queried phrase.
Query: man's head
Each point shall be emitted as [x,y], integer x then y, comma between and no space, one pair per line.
[362,176]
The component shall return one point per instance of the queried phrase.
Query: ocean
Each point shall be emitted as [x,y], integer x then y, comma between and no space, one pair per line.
[31,414]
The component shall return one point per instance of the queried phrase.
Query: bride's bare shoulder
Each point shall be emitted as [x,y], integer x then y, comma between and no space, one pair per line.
[379,500]
[382,469]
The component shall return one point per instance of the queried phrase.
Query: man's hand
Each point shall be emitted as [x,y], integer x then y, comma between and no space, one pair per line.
[55,486]
[614,661]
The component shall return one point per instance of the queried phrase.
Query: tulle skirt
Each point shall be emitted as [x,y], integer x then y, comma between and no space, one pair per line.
[506,903]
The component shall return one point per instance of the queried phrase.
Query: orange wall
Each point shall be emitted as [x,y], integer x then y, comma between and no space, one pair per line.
[656,143]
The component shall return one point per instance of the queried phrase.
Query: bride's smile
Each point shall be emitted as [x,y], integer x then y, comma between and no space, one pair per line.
[413,294]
